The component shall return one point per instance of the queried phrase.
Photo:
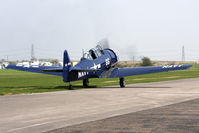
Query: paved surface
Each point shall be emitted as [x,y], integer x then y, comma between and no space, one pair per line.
[176,118]
[48,111]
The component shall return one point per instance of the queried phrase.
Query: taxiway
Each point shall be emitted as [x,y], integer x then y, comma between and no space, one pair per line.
[49,111]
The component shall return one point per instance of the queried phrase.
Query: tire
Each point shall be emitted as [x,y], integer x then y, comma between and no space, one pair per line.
[122,82]
[70,87]
[86,83]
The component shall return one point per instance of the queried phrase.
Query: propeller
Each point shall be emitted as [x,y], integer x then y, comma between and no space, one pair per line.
[104,43]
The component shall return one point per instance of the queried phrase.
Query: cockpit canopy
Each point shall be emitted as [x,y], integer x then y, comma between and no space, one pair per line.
[94,53]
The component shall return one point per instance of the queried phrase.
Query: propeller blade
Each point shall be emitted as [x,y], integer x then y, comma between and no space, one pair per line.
[104,44]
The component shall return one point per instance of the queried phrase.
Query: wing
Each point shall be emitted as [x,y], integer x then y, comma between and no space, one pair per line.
[38,69]
[130,71]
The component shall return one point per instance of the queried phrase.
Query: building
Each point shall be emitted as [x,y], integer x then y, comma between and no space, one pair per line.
[3,65]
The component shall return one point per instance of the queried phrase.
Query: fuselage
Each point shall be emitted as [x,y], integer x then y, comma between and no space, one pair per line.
[102,63]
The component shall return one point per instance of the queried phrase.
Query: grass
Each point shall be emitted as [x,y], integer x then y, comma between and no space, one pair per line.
[18,82]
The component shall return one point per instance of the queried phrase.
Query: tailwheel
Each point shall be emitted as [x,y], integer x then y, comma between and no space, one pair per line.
[70,87]
[122,82]
[85,82]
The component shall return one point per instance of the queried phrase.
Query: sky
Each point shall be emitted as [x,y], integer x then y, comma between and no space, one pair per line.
[135,28]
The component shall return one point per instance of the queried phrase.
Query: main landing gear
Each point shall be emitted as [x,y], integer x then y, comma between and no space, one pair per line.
[86,83]
[122,82]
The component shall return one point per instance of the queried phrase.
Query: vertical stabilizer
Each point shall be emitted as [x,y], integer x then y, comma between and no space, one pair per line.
[66,66]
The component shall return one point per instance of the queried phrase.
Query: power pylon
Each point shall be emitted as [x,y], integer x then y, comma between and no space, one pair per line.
[32,53]
[183,54]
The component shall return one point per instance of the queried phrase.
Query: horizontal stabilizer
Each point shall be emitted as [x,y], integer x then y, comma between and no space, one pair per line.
[130,71]
[84,69]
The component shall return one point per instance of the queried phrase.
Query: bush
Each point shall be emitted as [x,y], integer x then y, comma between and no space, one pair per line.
[146,61]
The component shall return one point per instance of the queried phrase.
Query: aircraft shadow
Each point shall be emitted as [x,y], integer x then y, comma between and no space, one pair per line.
[117,87]
[133,87]
[76,87]
[96,87]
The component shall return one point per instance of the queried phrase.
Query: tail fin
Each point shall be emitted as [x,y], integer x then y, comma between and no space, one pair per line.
[66,66]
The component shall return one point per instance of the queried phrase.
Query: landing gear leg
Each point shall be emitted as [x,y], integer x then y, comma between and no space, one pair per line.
[85,82]
[122,82]
[70,86]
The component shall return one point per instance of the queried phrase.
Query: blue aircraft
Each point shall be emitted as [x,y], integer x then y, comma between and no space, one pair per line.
[98,62]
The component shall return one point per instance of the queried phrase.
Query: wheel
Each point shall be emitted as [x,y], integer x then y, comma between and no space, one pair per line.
[85,82]
[70,87]
[122,82]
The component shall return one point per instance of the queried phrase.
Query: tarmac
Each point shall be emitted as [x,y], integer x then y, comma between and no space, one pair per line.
[170,106]
[167,119]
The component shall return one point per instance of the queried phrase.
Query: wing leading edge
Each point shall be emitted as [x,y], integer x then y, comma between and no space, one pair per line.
[130,71]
